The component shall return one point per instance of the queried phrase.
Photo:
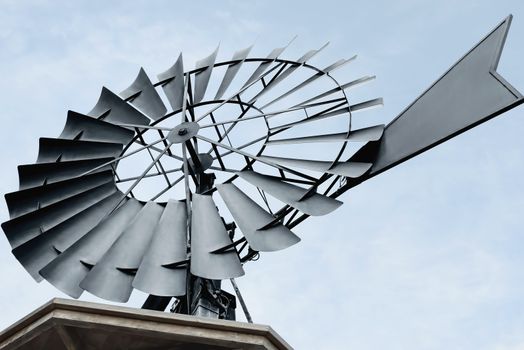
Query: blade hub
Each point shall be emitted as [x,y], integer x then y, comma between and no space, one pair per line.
[183,132]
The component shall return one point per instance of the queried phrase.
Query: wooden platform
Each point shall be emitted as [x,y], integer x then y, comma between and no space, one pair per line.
[77,325]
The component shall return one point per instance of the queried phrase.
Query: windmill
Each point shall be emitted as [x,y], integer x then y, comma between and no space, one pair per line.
[171,187]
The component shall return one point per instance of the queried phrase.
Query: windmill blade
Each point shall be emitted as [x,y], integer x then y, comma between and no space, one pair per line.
[84,128]
[287,72]
[41,250]
[113,109]
[232,71]
[71,267]
[332,113]
[58,150]
[376,102]
[299,198]
[251,218]
[311,53]
[26,227]
[344,87]
[273,55]
[372,133]
[31,199]
[173,83]
[34,175]
[208,235]
[347,169]
[163,269]
[112,276]
[311,79]
[202,77]
[144,96]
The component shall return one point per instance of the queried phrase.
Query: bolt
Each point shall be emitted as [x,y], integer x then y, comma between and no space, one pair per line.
[182,132]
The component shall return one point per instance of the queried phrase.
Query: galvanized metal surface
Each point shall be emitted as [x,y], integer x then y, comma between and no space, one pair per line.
[208,235]
[468,94]
[251,218]
[162,271]
[143,95]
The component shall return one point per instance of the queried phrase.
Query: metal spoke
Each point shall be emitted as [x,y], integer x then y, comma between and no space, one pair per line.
[165,142]
[216,143]
[221,155]
[148,175]
[156,149]
[248,155]
[168,153]
[149,167]
[144,126]
[173,184]
[159,167]
[138,179]
[272,114]
[231,127]
[124,156]
[242,146]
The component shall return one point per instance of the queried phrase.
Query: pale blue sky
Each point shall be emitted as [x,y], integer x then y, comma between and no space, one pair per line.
[425,256]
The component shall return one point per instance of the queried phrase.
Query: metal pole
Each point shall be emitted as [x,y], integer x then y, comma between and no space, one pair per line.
[241,301]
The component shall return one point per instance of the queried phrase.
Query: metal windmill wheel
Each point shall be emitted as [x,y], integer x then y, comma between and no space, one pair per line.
[134,194]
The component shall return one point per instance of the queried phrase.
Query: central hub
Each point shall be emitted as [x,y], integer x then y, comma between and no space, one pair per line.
[183,132]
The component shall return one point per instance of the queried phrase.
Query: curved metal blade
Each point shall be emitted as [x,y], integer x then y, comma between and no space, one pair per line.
[58,150]
[173,83]
[346,86]
[28,226]
[34,175]
[41,250]
[287,72]
[250,218]
[232,71]
[208,234]
[112,276]
[163,269]
[273,55]
[25,201]
[353,108]
[311,53]
[70,268]
[313,204]
[113,109]
[373,133]
[311,79]
[316,117]
[348,169]
[357,107]
[202,77]
[85,128]
[145,97]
